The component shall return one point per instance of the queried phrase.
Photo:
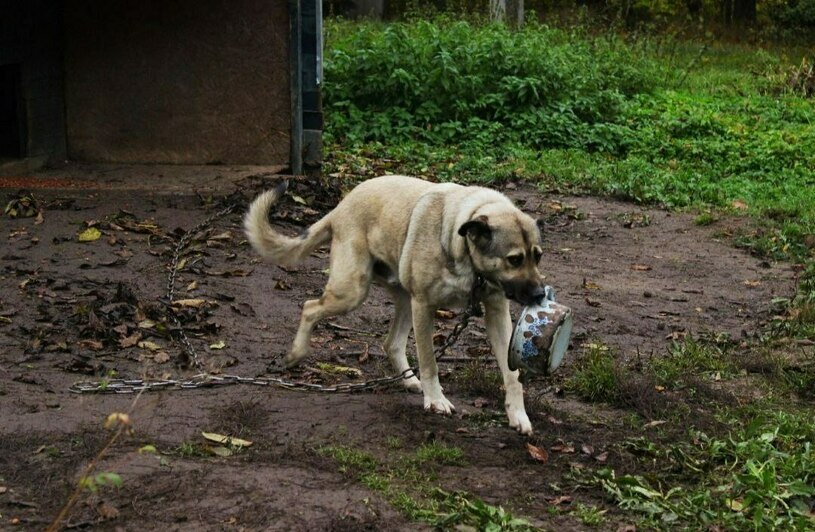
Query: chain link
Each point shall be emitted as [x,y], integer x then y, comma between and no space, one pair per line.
[206,380]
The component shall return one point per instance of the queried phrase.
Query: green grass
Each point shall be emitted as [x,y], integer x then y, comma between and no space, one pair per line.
[409,483]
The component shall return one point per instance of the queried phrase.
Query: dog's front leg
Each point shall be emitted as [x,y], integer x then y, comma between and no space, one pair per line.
[423,323]
[499,330]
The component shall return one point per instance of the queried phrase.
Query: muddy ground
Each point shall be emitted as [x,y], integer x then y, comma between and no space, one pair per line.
[636,278]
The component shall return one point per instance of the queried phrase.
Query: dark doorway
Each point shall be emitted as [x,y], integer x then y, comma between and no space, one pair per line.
[11,138]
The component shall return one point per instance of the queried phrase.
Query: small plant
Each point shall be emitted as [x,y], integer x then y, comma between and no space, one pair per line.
[688,358]
[589,515]
[439,453]
[95,482]
[349,459]
[596,377]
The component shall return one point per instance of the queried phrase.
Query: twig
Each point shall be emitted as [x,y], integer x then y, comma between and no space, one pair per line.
[66,509]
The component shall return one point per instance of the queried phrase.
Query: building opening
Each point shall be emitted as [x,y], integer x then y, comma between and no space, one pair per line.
[11,134]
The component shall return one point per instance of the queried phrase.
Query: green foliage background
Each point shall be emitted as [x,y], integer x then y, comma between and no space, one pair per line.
[653,119]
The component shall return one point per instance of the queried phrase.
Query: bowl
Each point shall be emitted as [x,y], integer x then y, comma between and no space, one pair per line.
[541,336]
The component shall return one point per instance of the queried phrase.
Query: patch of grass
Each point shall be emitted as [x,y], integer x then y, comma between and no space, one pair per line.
[439,453]
[192,450]
[690,358]
[477,378]
[761,476]
[596,378]
[408,483]
[589,515]
[349,459]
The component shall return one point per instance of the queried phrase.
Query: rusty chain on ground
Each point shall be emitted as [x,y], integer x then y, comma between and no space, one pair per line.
[207,380]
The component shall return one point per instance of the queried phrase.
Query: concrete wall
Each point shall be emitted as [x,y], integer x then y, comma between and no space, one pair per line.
[181,81]
[31,37]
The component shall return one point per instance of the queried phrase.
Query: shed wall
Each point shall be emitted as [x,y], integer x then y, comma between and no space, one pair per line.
[182,82]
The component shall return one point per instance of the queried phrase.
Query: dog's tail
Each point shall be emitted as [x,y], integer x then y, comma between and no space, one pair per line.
[273,246]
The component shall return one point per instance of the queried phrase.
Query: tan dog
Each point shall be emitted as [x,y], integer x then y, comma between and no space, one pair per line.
[426,243]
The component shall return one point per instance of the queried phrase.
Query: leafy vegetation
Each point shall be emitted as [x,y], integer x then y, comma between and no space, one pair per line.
[408,482]
[653,120]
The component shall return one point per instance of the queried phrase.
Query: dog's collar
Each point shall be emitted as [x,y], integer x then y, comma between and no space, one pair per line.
[474,305]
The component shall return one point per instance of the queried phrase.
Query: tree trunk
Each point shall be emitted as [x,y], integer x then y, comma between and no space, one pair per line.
[738,12]
[509,11]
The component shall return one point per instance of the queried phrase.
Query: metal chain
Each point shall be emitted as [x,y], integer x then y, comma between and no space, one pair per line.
[205,380]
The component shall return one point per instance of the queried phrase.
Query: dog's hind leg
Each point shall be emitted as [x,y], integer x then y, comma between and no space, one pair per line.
[423,323]
[499,330]
[396,342]
[348,283]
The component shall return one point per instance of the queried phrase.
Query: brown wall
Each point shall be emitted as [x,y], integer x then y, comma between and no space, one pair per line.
[178,81]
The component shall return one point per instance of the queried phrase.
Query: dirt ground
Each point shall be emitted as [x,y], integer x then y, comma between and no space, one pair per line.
[636,279]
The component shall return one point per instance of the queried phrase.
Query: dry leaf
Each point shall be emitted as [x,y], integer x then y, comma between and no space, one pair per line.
[220,344]
[739,204]
[130,341]
[192,286]
[152,346]
[226,440]
[223,452]
[640,267]
[654,423]
[192,303]
[107,511]
[93,345]
[602,457]
[592,302]
[89,235]
[752,283]
[562,499]
[587,449]
[590,285]
[161,357]
[445,314]
[146,324]
[537,453]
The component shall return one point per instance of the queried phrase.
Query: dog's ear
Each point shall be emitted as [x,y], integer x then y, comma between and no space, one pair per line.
[541,223]
[478,230]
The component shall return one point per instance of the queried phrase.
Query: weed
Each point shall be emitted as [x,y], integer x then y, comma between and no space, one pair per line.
[477,378]
[589,515]
[596,376]
[687,358]
[439,453]
[191,450]
[349,459]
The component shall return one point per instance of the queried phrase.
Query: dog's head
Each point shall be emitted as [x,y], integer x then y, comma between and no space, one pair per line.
[505,247]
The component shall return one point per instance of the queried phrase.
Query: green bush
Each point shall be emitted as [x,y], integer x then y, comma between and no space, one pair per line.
[452,82]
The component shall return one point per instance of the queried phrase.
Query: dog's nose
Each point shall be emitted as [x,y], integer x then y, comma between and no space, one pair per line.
[538,293]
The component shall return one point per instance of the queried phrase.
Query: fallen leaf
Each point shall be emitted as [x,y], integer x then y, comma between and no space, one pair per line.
[739,204]
[226,235]
[107,511]
[587,449]
[161,357]
[752,283]
[152,346]
[735,505]
[3,489]
[220,344]
[659,388]
[537,453]
[89,235]
[640,267]
[130,341]
[554,421]
[590,285]
[342,370]
[192,286]
[39,219]
[654,423]
[562,448]
[280,284]
[592,302]
[226,440]
[223,452]
[602,457]
[147,324]
[93,345]
[445,314]
[562,499]
[192,303]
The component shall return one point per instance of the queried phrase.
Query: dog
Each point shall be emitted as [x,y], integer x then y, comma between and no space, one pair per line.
[427,243]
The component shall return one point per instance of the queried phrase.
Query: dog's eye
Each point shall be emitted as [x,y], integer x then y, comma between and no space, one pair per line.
[515,260]
[537,253]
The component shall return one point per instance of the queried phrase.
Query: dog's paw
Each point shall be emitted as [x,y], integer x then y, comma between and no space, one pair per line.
[412,384]
[440,405]
[519,421]
[292,359]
